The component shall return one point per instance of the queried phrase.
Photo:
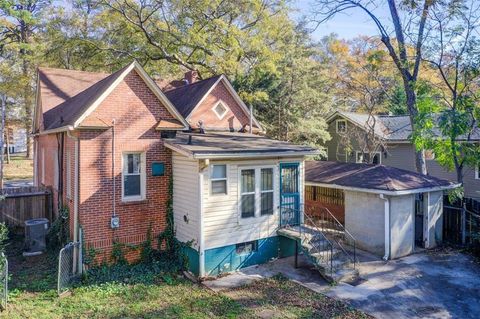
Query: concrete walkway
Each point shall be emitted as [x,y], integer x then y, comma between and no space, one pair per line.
[426,285]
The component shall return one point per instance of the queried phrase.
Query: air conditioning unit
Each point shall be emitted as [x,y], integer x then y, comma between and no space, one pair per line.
[35,233]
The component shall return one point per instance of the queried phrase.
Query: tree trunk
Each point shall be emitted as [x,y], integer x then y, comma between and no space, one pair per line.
[7,142]
[420,164]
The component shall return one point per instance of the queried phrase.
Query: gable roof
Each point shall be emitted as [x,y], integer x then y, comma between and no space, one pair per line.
[188,97]
[73,110]
[371,178]
[394,128]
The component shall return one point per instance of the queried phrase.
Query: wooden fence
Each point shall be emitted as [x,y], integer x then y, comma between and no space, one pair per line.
[20,204]
[461,222]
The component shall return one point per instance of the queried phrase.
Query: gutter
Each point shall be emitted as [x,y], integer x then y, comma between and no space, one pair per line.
[55,130]
[76,187]
[387,226]
[384,192]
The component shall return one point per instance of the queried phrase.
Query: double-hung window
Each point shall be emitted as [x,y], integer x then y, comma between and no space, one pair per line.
[133,177]
[477,171]
[266,191]
[256,192]
[218,178]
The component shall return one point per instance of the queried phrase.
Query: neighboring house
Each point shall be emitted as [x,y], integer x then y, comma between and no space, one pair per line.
[395,148]
[109,144]
[389,211]
[15,137]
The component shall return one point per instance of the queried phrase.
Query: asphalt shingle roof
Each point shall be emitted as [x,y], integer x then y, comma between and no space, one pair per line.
[186,97]
[391,127]
[369,176]
[71,109]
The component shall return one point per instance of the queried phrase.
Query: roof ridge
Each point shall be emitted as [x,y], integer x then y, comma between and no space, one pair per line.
[73,70]
[194,83]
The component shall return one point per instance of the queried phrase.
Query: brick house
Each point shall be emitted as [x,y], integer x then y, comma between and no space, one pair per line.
[108,145]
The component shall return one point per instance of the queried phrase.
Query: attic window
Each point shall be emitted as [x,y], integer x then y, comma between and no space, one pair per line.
[341,126]
[220,110]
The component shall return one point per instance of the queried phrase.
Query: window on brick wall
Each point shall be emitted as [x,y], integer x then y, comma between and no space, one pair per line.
[133,176]
[68,178]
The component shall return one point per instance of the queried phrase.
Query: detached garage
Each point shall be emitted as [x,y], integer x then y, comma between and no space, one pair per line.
[389,211]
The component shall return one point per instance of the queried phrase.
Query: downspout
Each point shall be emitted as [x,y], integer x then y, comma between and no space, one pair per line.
[76,186]
[387,225]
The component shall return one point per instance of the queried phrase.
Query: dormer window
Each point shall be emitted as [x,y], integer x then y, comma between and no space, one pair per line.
[220,110]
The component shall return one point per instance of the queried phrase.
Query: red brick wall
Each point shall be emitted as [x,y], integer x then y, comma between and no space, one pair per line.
[47,145]
[136,111]
[235,118]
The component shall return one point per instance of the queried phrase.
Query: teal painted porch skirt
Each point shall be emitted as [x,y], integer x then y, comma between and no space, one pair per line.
[225,259]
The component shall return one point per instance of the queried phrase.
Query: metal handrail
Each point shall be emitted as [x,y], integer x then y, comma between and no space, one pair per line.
[325,239]
[337,226]
[316,248]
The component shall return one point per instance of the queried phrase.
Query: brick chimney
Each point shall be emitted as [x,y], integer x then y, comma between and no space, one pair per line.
[191,77]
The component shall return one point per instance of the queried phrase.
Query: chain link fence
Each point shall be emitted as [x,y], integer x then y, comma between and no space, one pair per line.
[3,281]
[69,267]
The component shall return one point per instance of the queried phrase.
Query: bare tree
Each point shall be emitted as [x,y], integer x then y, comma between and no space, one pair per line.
[368,139]
[408,33]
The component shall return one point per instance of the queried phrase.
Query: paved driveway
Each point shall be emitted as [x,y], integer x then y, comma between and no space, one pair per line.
[428,285]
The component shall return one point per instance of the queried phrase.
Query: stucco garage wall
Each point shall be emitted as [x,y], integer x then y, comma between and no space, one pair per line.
[435,219]
[401,226]
[364,219]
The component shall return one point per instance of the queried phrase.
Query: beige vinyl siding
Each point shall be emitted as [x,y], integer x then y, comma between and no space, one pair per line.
[222,222]
[400,155]
[186,199]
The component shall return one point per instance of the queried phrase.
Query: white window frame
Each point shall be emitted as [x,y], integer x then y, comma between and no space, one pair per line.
[214,109]
[374,153]
[68,172]
[336,125]
[477,171]
[258,191]
[143,178]
[218,179]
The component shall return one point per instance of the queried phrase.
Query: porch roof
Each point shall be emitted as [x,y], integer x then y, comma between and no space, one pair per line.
[234,145]
[371,178]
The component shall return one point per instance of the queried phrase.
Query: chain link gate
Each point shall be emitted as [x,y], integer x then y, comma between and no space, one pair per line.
[69,266]
[3,281]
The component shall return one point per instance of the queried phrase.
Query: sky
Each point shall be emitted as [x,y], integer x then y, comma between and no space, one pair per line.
[346,25]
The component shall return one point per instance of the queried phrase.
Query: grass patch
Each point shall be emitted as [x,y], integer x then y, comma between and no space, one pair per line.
[144,291]
[19,167]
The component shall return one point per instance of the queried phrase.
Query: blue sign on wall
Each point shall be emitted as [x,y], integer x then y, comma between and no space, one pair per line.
[158,169]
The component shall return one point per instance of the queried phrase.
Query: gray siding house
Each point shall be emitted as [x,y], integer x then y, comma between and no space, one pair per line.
[389,145]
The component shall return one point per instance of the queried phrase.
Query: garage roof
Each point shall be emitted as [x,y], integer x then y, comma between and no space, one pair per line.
[371,178]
